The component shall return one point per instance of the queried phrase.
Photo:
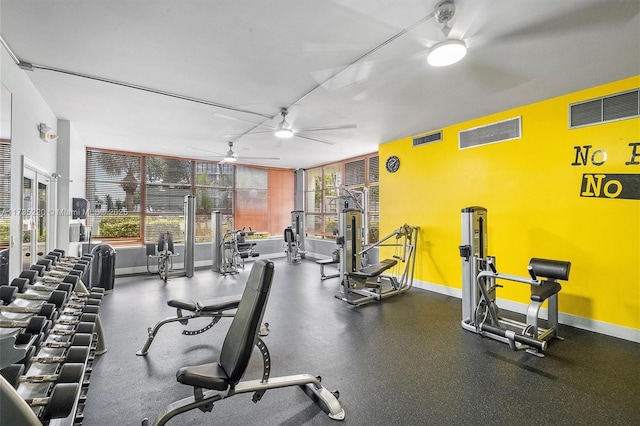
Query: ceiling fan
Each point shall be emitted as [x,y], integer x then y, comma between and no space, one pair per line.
[231,156]
[285,130]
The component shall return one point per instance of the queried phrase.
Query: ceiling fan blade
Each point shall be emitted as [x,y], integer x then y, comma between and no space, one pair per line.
[313,139]
[205,150]
[258,158]
[318,129]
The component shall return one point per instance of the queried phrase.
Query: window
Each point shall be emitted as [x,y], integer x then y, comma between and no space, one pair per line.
[5,192]
[325,186]
[135,197]
[113,192]
[214,191]
[252,209]
[168,182]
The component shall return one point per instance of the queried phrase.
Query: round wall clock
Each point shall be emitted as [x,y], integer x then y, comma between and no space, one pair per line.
[393,164]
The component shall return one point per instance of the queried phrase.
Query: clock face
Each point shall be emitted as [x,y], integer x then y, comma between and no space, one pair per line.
[393,164]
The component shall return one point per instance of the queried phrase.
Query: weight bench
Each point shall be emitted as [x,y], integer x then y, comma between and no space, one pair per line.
[325,262]
[220,380]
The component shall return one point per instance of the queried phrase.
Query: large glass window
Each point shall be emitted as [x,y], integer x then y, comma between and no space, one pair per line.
[5,192]
[113,192]
[252,209]
[324,186]
[214,191]
[168,181]
[135,198]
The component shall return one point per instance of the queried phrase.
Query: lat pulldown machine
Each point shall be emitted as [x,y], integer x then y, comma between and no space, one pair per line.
[294,238]
[479,275]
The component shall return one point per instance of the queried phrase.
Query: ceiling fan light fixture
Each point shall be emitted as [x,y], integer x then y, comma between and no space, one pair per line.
[284,130]
[230,159]
[447,52]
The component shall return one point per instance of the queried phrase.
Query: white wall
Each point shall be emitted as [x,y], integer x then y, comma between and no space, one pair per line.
[71,165]
[28,110]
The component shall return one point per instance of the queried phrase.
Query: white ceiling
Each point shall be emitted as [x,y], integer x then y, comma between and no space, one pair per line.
[261,55]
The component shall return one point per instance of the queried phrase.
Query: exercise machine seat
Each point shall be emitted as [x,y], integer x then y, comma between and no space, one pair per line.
[375,269]
[241,337]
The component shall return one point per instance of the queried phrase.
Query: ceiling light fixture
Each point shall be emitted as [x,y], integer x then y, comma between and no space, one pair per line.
[231,157]
[284,129]
[446,52]
[450,51]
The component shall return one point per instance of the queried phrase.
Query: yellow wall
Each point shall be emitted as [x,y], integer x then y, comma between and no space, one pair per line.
[532,194]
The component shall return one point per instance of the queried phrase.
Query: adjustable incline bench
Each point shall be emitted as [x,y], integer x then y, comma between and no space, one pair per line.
[220,380]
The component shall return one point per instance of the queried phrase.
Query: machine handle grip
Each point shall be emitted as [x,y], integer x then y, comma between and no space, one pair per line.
[531,273]
[541,345]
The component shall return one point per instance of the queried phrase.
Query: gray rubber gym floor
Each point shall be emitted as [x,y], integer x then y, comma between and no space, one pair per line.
[405,361]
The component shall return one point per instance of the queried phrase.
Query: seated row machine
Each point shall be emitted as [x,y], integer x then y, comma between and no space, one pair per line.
[220,380]
[479,275]
[162,254]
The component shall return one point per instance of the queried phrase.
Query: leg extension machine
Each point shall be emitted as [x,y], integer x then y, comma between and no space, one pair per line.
[479,275]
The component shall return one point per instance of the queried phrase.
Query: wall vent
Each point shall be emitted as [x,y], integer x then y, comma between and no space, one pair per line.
[491,133]
[601,110]
[425,139]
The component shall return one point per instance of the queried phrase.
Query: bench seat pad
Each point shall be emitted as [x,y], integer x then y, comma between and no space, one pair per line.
[211,305]
[375,269]
[206,376]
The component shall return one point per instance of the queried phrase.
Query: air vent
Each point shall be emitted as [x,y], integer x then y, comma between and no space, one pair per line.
[491,133]
[425,139]
[601,110]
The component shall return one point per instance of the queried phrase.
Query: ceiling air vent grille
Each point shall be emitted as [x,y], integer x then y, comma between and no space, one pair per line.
[609,108]
[491,133]
[425,139]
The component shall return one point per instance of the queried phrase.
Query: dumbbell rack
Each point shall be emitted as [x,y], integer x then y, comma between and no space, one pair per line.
[35,353]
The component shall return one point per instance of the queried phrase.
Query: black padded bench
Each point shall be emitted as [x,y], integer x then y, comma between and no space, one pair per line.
[325,262]
[375,269]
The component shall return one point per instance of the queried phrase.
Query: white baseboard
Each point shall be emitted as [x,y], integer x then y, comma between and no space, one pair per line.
[596,326]
[198,264]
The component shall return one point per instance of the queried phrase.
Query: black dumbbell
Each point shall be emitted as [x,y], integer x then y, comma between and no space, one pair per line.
[47,263]
[47,310]
[34,325]
[69,373]
[23,284]
[73,354]
[78,312]
[80,327]
[78,339]
[92,318]
[59,404]
[57,297]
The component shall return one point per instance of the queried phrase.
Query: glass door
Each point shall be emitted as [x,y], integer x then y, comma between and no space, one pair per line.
[36,205]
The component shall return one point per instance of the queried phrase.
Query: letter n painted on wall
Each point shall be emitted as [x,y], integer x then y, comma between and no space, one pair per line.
[600,185]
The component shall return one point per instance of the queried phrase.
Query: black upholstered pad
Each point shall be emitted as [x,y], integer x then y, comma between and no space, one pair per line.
[211,305]
[219,304]
[207,376]
[375,269]
[181,304]
[546,290]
